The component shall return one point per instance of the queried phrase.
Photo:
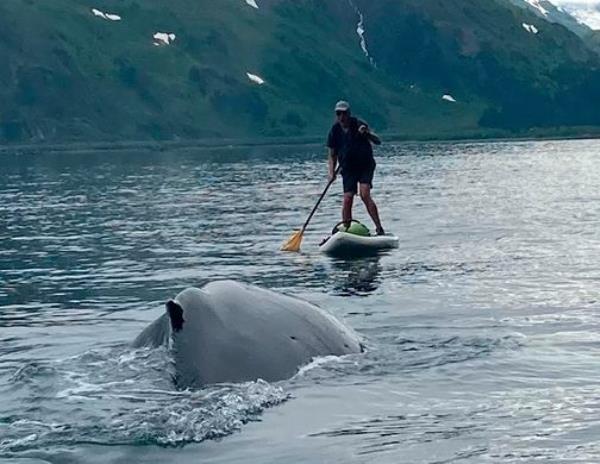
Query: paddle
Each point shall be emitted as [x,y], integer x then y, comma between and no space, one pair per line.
[293,244]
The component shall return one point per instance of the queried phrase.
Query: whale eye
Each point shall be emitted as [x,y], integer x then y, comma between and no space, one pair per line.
[175,315]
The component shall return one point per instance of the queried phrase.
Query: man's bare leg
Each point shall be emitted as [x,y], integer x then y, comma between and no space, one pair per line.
[347,208]
[365,195]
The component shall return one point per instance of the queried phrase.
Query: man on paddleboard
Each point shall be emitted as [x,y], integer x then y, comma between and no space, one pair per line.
[349,143]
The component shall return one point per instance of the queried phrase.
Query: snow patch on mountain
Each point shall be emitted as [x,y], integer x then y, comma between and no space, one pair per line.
[163,38]
[530,28]
[538,6]
[107,16]
[360,30]
[256,79]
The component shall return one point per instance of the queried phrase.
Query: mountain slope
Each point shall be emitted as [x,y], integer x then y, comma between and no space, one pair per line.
[74,74]
[549,11]
[482,48]
[578,17]
[585,12]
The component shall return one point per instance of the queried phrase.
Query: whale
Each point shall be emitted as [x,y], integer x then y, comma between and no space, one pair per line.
[232,332]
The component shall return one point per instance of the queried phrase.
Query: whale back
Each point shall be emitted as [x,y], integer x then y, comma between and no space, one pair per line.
[232,332]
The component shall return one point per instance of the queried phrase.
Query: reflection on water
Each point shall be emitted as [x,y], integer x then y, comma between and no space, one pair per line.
[356,276]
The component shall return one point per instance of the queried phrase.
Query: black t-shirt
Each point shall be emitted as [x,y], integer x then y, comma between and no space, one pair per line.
[353,149]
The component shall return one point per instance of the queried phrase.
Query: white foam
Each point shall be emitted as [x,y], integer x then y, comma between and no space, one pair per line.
[316,363]
[164,38]
[449,98]
[530,28]
[21,441]
[107,16]
[254,78]
[252,3]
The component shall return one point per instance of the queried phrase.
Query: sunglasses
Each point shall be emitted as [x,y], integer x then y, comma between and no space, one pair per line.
[339,113]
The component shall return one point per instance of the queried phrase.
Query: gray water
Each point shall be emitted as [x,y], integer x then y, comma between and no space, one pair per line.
[482,329]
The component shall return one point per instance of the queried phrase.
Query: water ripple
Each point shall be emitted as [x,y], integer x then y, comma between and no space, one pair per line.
[482,329]
[122,396]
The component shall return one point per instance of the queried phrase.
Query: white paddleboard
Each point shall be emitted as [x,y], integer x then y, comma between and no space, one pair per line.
[345,244]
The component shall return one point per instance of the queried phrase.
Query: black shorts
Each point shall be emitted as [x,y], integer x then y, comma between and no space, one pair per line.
[351,179]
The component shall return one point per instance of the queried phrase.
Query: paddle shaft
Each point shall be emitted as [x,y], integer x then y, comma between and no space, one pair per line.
[320,199]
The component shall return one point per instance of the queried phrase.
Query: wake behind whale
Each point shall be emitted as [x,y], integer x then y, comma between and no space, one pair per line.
[232,332]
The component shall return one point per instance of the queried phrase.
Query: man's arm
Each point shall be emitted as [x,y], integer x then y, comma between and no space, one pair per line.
[332,162]
[373,137]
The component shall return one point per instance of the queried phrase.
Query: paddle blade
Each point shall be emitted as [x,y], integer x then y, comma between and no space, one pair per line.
[293,244]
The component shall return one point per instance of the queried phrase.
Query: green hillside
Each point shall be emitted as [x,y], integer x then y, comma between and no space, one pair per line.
[70,75]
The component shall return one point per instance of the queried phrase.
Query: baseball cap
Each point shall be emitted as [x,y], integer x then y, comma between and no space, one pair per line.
[342,106]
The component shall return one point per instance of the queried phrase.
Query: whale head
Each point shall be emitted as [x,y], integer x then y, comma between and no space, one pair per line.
[232,332]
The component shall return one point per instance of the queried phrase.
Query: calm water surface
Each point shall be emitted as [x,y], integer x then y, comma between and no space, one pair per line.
[483,329]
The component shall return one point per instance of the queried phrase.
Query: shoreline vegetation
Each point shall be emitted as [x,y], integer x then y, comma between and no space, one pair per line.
[229,74]
[202,74]
[537,134]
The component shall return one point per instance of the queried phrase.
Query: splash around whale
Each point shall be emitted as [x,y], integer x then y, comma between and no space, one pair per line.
[227,331]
